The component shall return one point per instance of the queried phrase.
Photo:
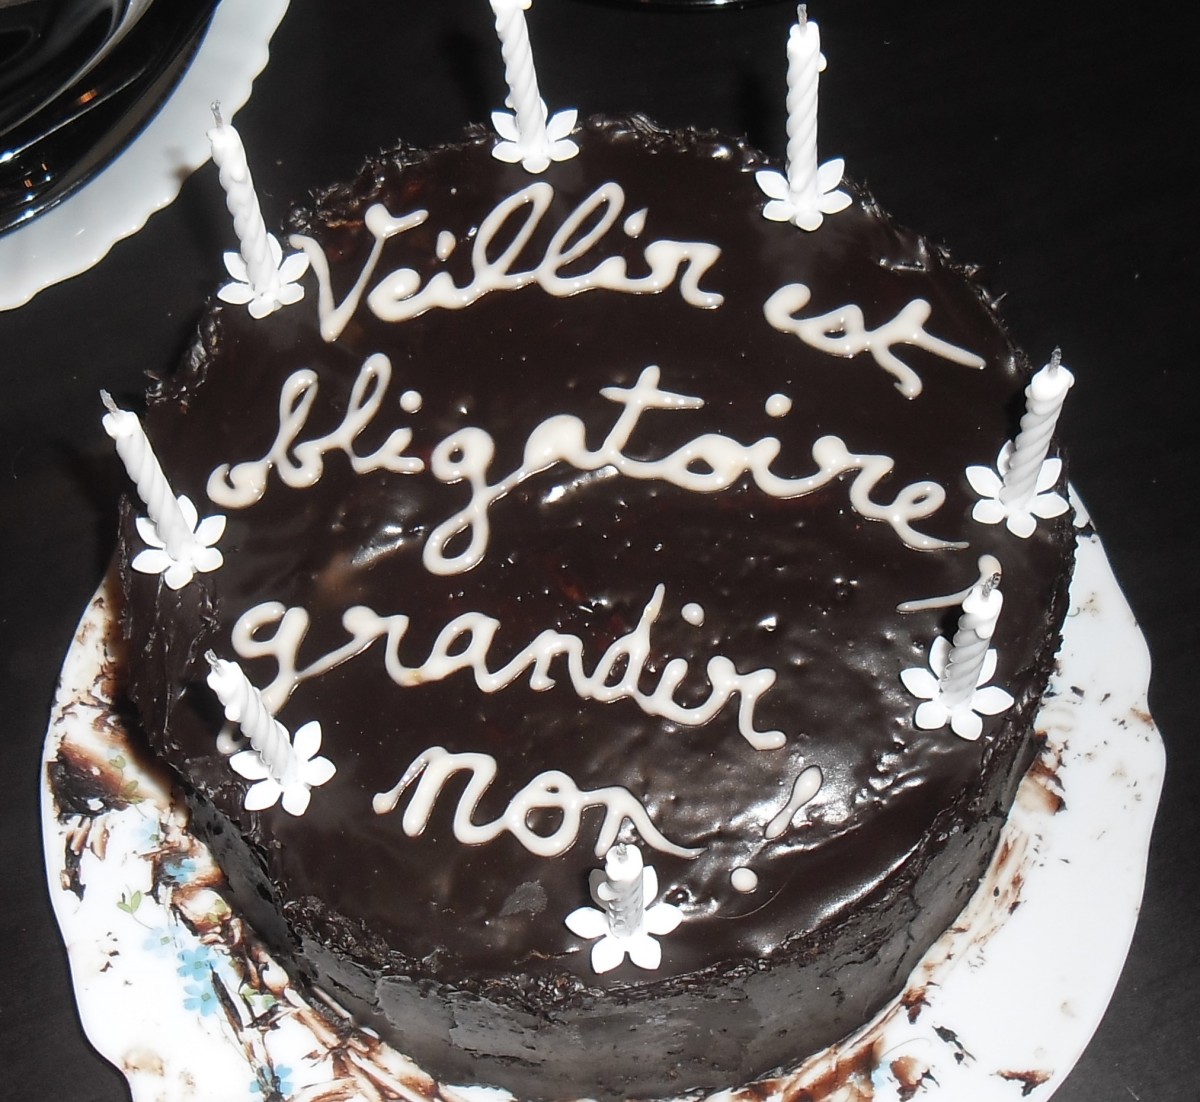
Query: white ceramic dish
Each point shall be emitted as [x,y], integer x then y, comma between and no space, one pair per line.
[180,995]
[77,233]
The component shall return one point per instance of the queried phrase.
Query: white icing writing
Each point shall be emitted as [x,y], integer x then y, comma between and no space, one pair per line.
[552,791]
[843,332]
[402,293]
[778,405]
[706,464]
[301,465]
[465,644]
[989,566]
[382,226]
[743,879]
[805,787]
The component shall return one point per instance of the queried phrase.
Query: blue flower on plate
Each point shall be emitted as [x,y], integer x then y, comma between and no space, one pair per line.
[195,963]
[180,870]
[147,833]
[201,999]
[159,942]
[281,1083]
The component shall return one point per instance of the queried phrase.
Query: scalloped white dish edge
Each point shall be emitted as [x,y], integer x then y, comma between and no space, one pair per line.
[182,998]
[78,233]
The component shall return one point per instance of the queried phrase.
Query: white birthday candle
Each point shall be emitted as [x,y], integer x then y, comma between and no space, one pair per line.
[519,72]
[162,506]
[244,705]
[1044,398]
[804,64]
[621,892]
[229,155]
[969,647]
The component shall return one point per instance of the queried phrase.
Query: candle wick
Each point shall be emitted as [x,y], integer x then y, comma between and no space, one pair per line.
[1055,359]
[215,107]
[992,583]
[109,404]
[210,656]
[801,15]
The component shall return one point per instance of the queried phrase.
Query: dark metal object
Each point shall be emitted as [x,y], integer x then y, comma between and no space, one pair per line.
[61,145]
[47,45]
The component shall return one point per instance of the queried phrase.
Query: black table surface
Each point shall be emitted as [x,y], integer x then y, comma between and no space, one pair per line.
[1052,148]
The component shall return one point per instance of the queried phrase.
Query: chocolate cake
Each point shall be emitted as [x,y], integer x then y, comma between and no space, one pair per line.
[595,517]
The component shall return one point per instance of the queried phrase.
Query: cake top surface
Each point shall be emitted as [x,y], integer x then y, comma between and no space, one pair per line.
[580,508]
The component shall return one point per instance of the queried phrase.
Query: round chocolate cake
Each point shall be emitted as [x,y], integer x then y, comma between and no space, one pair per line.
[595,518]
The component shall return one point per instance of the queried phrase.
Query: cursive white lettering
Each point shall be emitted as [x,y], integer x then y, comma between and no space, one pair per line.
[552,791]
[707,464]
[401,295]
[301,465]
[465,644]
[843,332]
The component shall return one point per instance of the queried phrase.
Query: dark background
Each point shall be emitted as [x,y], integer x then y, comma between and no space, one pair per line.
[1052,147]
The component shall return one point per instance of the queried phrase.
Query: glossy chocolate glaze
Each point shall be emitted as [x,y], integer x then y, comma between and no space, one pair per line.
[459,953]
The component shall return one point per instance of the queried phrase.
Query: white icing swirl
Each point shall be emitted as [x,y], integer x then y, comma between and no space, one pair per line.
[552,790]
[465,644]
[843,332]
[301,464]
[401,295]
[805,787]
[707,464]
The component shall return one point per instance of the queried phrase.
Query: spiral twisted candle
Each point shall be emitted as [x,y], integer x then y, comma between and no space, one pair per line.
[1044,398]
[229,155]
[244,705]
[622,890]
[969,647]
[804,65]
[143,467]
[519,72]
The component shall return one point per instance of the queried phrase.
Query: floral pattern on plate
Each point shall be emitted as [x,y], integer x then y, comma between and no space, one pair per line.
[181,994]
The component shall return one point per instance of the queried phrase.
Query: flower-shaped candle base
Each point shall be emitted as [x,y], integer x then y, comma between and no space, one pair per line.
[309,771]
[266,299]
[535,151]
[964,716]
[592,923]
[197,557]
[1020,517]
[804,210]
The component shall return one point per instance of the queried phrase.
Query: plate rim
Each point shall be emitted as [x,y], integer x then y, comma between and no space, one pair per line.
[956,1027]
[77,233]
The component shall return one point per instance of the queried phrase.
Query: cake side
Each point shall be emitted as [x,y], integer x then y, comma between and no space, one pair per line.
[638,281]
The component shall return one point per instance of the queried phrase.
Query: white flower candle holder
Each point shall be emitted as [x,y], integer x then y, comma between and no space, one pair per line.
[954,688]
[180,544]
[529,136]
[626,920]
[281,769]
[263,280]
[808,191]
[1021,488]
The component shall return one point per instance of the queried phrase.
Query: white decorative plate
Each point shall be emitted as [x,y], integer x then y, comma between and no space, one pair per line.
[182,997]
[78,232]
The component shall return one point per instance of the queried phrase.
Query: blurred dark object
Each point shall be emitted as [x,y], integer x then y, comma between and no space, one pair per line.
[46,45]
[682,5]
[119,59]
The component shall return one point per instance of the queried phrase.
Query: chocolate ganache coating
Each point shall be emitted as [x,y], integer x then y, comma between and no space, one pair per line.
[715,631]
